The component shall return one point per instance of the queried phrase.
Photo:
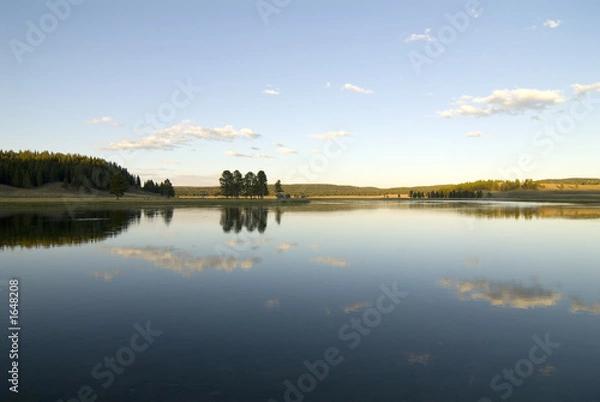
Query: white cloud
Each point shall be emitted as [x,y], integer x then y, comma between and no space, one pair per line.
[271,91]
[328,85]
[315,151]
[583,89]
[424,36]
[105,119]
[537,118]
[330,135]
[184,132]
[264,156]
[474,134]
[552,23]
[356,89]
[238,154]
[286,151]
[504,101]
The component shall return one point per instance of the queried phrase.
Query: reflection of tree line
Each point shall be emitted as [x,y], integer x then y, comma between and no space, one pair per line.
[503,211]
[251,218]
[59,228]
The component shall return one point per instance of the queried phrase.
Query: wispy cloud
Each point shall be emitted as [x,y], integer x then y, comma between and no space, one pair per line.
[247,155]
[328,85]
[417,37]
[474,134]
[238,154]
[552,23]
[504,101]
[105,120]
[286,151]
[271,91]
[583,89]
[330,135]
[182,133]
[356,89]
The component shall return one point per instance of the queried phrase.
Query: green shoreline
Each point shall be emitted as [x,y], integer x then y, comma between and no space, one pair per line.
[134,202]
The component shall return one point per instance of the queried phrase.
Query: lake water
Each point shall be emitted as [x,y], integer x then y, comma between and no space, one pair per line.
[331,301]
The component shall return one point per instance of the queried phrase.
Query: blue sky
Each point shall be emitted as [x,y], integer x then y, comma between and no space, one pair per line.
[382,93]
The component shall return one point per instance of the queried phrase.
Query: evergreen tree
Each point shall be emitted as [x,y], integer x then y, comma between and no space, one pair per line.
[118,185]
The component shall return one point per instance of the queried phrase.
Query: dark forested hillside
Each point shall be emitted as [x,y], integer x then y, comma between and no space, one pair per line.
[28,169]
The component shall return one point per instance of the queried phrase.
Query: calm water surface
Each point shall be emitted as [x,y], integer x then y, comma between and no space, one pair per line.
[382,301]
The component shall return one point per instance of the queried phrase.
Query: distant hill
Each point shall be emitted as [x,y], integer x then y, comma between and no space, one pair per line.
[332,190]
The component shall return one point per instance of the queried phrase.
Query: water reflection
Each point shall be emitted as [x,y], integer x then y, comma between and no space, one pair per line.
[55,228]
[251,218]
[60,228]
[579,306]
[503,293]
[331,261]
[507,210]
[181,262]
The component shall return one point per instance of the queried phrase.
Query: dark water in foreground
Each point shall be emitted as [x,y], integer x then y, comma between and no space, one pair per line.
[380,301]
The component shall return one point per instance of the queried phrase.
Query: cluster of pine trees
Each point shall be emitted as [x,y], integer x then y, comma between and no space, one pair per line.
[28,169]
[251,185]
[165,188]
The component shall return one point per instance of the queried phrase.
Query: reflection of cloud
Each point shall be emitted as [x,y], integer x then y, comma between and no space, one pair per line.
[241,242]
[286,246]
[271,304]
[578,306]
[422,359]
[107,276]
[334,262]
[357,307]
[548,370]
[170,258]
[473,262]
[503,294]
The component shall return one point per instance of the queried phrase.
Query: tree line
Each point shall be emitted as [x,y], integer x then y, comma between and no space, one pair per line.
[29,169]
[443,194]
[165,188]
[26,169]
[250,185]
